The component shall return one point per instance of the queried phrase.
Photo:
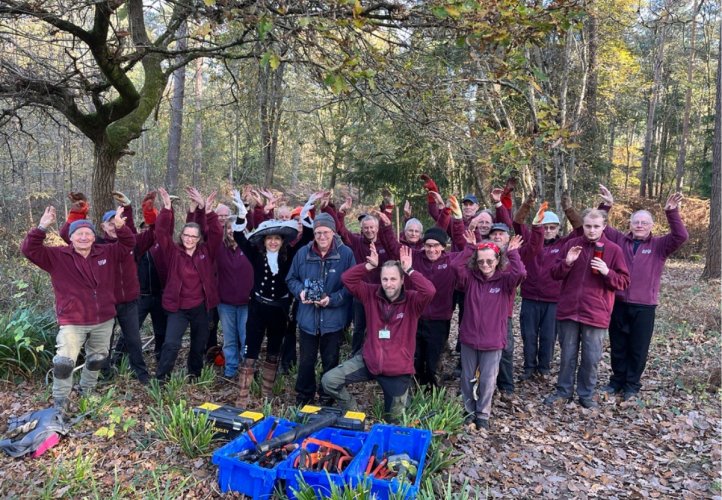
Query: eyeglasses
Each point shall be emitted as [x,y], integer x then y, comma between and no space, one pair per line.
[488,262]
[432,245]
[323,234]
[190,236]
[551,227]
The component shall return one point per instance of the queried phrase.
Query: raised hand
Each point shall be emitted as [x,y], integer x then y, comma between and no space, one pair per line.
[48,218]
[78,202]
[515,243]
[372,260]
[437,198]
[382,217]
[455,207]
[566,201]
[470,236]
[673,201]
[407,209]
[196,197]
[496,195]
[120,198]
[119,220]
[573,254]
[238,202]
[346,205]
[539,217]
[405,258]
[165,198]
[208,202]
[606,195]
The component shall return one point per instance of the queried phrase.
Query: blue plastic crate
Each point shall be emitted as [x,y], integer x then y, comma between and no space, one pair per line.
[321,481]
[394,440]
[247,478]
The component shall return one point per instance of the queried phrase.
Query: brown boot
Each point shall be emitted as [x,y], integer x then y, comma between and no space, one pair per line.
[245,377]
[269,377]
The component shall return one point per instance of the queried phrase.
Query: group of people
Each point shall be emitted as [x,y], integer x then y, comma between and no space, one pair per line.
[298,278]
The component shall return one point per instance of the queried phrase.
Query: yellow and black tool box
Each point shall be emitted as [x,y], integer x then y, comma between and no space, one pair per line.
[352,420]
[229,421]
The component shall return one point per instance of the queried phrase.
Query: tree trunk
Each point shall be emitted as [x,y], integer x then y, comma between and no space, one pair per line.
[712,260]
[682,154]
[651,108]
[198,126]
[104,169]
[270,99]
[175,130]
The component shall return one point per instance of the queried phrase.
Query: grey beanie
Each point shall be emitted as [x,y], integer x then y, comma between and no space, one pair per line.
[324,220]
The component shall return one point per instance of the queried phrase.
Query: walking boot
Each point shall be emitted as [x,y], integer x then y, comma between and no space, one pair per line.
[245,377]
[268,378]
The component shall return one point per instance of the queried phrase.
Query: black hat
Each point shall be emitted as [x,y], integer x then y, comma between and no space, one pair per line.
[437,234]
[288,230]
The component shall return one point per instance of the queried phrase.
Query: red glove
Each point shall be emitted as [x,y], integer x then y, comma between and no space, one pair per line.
[150,213]
[506,195]
[79,207]
[429,185]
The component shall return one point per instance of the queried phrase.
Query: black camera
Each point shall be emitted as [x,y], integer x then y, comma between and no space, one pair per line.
[313,289]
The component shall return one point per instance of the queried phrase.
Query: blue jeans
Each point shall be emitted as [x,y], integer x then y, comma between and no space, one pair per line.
[233,321]
[539,334]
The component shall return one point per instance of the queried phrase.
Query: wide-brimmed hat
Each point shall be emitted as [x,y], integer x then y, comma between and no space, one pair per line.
[287,229]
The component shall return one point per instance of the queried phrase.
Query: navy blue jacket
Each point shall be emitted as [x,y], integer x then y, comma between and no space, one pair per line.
[308,264]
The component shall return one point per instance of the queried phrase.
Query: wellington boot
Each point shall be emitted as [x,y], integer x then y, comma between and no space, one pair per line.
[269,377]
[245,377]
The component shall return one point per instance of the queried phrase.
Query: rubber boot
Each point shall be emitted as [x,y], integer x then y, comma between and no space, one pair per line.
[269,377]
[245,377]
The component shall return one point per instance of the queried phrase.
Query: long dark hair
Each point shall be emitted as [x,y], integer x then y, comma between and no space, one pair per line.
[282,252]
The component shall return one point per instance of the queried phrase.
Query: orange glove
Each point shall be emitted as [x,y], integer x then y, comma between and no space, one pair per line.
[539,217]
[79,207]
[455,207]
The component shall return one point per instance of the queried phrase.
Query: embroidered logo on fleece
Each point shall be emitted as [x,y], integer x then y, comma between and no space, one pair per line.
[102,262]
[494,290]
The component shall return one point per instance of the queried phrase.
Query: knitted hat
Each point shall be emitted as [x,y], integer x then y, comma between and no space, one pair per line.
[108,215]
[74,226]
[437,234]
[324,220]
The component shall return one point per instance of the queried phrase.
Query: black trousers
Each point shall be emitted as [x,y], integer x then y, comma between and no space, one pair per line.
[359,327]
[213,320]
[431,336]
[151,304]
[129,342]
[630,333]
[310,345]
[288,347]
[178,321]
[266,320]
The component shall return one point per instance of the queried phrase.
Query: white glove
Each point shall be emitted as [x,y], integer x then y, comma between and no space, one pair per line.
[238,228]
[242,210]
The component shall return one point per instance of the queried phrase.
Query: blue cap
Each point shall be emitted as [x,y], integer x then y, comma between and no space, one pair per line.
[74,226]
[499,226]
[550,218]
[108,215]
[471,198]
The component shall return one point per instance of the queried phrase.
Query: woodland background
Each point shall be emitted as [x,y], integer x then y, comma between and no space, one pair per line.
[357,96]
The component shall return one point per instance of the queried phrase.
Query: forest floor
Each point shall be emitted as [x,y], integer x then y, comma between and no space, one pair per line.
[666,444]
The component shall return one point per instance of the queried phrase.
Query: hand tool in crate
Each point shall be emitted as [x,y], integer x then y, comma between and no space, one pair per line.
[272,450]
[391,465]
[328,457]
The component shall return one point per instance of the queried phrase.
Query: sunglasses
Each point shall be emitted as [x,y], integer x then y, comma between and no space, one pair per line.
[488,262]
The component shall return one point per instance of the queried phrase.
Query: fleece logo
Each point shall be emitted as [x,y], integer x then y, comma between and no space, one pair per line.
[647,250]
[203,256]
[102,262]
[554,250]
[494,290]
[400,316]
[442,266]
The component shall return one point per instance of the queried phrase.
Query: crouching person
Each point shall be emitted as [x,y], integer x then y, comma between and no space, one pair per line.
[83,276]
[392,314]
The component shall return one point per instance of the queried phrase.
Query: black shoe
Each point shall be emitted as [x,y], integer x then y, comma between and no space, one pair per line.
[630,395]
[553,398]
[588,403]
[610,389]
[481,423]
[144,380]
[526,376]
[457,371]
[506,396]
[325,401]
[469,419]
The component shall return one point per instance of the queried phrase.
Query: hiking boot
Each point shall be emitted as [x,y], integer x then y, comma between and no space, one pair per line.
[481,423]
[506,396]
[630,395]
[526,376]
[245,377]
[588,403]
[268,378]
[554,397]
[610,389]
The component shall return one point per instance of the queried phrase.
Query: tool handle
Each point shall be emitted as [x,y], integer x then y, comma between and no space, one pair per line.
[296,433]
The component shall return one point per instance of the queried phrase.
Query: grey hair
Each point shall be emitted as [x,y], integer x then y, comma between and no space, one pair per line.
[414,222]
[368,218]
[645,212]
